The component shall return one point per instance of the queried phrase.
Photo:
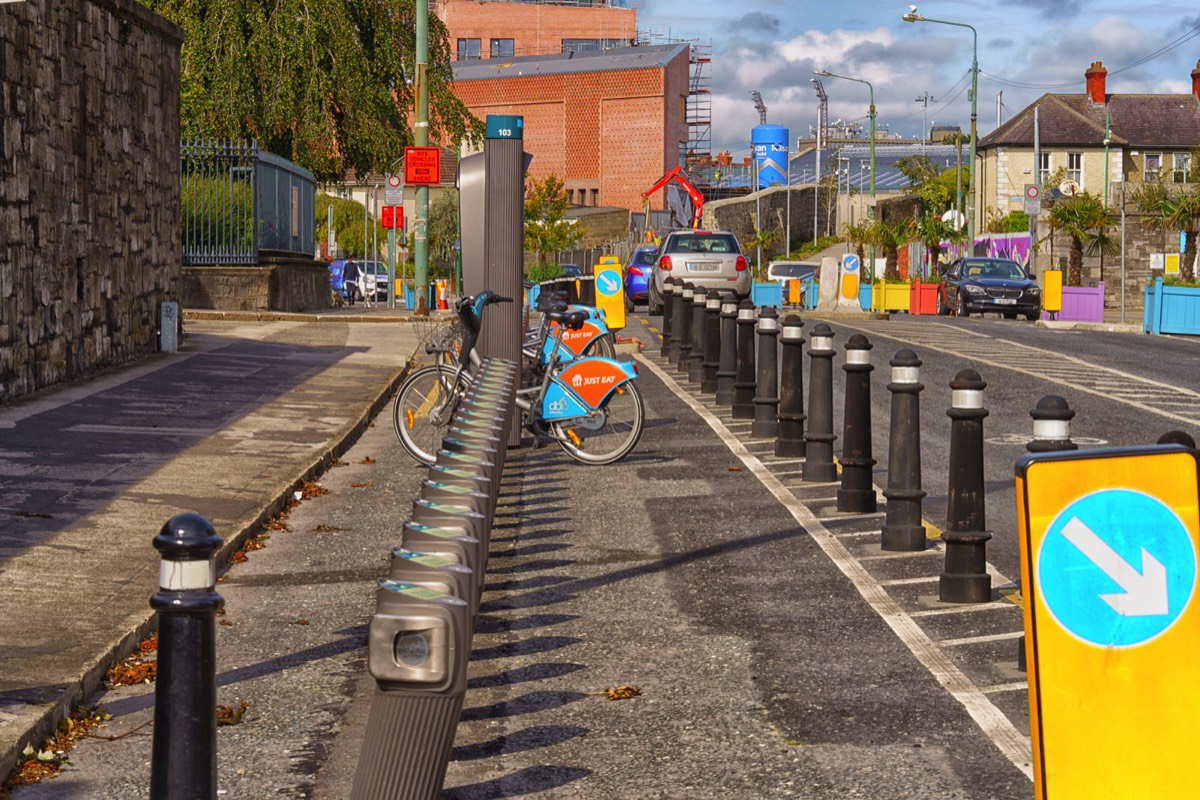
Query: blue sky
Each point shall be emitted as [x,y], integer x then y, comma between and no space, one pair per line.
[1026,48]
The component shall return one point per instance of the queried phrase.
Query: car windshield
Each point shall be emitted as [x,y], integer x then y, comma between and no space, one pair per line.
[705,243]
[999,269]
[645,258]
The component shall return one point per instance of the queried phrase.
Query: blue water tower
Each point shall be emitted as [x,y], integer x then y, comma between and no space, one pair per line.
[770,146]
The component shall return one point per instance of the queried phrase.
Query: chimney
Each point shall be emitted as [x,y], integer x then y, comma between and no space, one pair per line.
[1095,82]
[1196,81]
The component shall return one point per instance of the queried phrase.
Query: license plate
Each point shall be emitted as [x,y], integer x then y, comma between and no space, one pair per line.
[703,266]
[1005,301]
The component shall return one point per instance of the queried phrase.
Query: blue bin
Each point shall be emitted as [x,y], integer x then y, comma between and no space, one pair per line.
[811,294]
[767,294]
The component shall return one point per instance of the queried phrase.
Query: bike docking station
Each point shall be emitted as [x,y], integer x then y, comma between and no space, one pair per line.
[419,639]
[1108,543]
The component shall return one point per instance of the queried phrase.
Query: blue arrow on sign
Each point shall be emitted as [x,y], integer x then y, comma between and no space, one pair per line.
[850,263]
[608,283]
[1116,568]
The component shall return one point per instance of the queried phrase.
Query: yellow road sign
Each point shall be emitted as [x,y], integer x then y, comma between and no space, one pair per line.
[1108,571]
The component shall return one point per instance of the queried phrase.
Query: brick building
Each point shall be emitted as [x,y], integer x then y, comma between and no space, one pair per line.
[508,28]
[608,122]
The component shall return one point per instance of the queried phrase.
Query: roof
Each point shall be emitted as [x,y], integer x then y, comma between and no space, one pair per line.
[618,58]
[887,177]
[1136,120]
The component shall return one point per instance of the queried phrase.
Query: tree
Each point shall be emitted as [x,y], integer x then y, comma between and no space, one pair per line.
[931,230]
[1171,209]
[859,236]
[547,230]
[889,237]
[1083,218]
[328,84]
[348,218]
[768,239]
[442,229]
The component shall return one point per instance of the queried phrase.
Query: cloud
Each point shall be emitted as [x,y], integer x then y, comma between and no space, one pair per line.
[1052,9]
[758,22]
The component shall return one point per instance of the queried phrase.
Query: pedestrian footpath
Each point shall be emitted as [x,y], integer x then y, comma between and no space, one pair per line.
[227,427]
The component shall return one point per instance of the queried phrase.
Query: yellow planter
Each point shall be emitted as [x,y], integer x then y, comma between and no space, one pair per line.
[890,296]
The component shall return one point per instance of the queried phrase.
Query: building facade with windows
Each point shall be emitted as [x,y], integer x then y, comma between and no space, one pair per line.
[486,29]
[1100,140]
[608,123]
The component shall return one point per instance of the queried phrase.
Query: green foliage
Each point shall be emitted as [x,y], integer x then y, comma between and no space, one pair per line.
[889,237]
[442,228]
[216,209]
[547,230]
[347,224]
[930,230]
[768,239]
[328,84]
[1012,222]
[809,249]
[1173,208]
[1083,218]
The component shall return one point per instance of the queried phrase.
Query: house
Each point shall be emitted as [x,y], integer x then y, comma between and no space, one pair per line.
[1101,140]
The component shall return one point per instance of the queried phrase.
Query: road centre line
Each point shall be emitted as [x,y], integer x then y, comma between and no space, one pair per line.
[991,720]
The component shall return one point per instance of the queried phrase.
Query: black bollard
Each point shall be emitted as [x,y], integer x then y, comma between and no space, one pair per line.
[683,321]
[790,440]
[857,492]
[1178,437]
[712,342]
[727,367]
[903,528]
[183,762]
[965,579]
[819,437]
[1051,432]
[668,316]
[745,380]
[695,367]
[766,399]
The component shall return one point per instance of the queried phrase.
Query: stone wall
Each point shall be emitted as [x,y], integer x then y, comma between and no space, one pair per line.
[738,214]
[276,284]
[89,186]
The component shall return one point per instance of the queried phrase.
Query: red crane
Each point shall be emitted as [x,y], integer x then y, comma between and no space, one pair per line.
[676,174]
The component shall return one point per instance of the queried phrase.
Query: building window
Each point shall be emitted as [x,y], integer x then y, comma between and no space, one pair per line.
[595,198]
[502,48]
[584,45]
[1183,164]
[1153,167]
[1075,168]
[1043,169]
[469,49]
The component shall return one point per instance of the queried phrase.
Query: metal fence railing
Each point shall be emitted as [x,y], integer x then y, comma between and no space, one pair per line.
[239,201]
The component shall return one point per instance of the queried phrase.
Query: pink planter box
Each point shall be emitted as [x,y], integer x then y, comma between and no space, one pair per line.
[1081,304]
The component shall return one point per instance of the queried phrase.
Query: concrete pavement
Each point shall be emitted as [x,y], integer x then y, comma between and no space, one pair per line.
[227,427]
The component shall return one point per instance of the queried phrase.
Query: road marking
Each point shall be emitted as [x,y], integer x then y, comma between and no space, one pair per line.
[995,637]
[991,720]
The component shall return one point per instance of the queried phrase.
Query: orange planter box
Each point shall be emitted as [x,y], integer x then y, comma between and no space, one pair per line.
[923,298]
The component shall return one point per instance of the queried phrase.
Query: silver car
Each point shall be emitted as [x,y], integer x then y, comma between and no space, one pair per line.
[706,259]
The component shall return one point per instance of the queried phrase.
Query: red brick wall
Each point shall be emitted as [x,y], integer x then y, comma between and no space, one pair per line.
[615,131]
[535,29]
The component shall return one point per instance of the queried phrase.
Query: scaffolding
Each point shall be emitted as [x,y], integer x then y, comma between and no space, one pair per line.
[698,104]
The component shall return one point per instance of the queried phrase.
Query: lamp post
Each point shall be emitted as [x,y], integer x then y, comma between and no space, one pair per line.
[871,89]
[913,16]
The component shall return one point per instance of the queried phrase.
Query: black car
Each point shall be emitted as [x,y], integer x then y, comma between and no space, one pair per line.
[999,285]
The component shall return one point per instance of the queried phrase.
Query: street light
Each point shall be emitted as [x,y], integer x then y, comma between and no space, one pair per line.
[827,74]
[913,16]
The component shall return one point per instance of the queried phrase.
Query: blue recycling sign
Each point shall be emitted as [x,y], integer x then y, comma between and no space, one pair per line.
[1116,568]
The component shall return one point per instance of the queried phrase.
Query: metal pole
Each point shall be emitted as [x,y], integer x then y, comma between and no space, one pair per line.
[789,204]
[421,139]
[1124,178]
[817,190]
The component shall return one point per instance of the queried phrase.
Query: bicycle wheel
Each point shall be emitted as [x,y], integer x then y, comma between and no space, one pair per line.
[424,405]
[602,346]
[607,434]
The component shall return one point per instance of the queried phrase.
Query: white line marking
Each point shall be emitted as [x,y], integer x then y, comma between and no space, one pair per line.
[1021,686]
[963,608]
[995,725]
[995,637]
[910,581]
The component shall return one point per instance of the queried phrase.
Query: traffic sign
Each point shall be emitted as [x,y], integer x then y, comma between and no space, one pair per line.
[393,193]
[850,263]
[391,217]
[1109,570]
[1033,199]
[423,165]
[608,283]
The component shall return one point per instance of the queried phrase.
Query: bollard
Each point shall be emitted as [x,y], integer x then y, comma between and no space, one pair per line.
[857,493]
[903,527]
[418,643]
[183,762]
[1178,437]
[683,321]
[668,316]
[695,365]
[1051,432]
[790,440]
[745,380]
[727,366]
[712,342]
[678,303]
[766,399]
[819,437]
[965,579]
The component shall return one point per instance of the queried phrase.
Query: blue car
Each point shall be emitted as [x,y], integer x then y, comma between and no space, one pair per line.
[637,275]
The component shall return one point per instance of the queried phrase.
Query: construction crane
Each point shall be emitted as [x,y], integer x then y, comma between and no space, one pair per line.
[822,114]
[676,174]
[759,107]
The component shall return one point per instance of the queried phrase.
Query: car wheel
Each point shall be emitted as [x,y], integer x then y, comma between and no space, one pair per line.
[1033,315]
[942,309]
[963,311]
[628,303]
[654,303]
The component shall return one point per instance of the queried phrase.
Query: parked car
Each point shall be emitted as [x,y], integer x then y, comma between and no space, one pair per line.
[637,275]
[374,277]
[1000,285]
[570,271]
[792,270]
[706,259]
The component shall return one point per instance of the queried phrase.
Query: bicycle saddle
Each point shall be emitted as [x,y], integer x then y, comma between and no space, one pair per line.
[572,319]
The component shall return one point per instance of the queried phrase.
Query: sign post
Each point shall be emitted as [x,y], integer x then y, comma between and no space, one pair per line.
[1108,573]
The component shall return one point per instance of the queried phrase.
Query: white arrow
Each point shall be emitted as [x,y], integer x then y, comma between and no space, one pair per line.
[1145,592]
[610,283]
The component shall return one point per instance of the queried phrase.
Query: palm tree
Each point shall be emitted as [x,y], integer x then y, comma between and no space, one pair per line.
[1083,218]
[931,230]
[1173,211]
[859,236]
[889,237]
[766,239]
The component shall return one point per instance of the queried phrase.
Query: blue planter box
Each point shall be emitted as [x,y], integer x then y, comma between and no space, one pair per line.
[811,294]
[1171,309]
[767,294]
[864,296]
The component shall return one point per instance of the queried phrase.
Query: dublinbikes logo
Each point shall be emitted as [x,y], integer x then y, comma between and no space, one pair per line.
[557,406]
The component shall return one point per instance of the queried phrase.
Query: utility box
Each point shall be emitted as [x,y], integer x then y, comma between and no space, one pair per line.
[168,327]
[1051,291]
